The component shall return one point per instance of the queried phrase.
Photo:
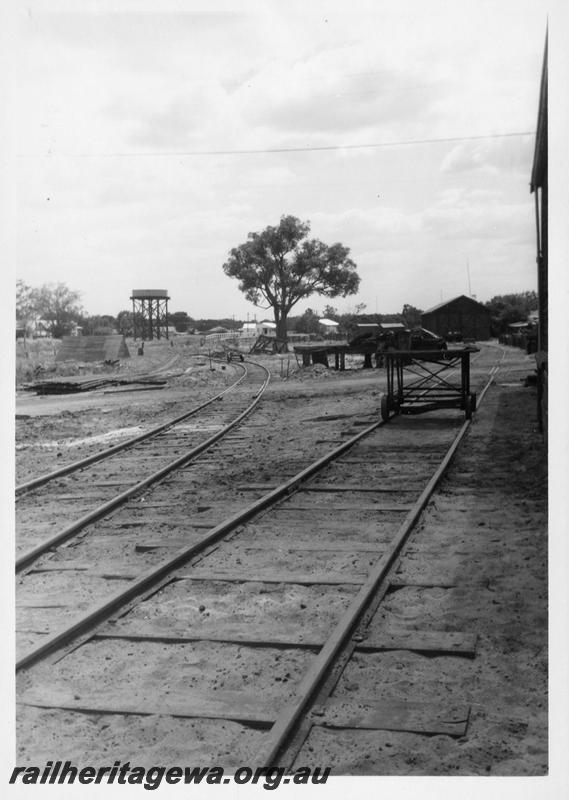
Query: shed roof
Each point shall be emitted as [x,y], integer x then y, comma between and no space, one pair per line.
[325,321]
[388,326]
[453,300]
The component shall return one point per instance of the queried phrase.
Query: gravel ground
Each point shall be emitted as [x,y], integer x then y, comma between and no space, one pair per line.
[487,527]
[486,531]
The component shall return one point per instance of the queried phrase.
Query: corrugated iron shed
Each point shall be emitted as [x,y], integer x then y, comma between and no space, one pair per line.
[460,314]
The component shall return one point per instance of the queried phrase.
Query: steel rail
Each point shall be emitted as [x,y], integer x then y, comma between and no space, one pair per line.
[289,717]
[108,452]
[28,557]
[154,575]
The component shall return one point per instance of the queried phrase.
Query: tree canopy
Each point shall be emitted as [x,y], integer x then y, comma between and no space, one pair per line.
[411,315]
[26,311]
[99,325]
[281,266]
[507,308]
[59,306]
[56,304]
[307,322]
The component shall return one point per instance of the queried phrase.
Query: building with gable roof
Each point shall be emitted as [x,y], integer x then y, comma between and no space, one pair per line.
[462,315]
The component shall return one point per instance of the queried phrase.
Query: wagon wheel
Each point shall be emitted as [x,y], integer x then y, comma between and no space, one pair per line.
[468,407]
[384,408]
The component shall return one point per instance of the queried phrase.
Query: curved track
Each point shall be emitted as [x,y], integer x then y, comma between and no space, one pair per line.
[90,485]
[102,455]
[276,595]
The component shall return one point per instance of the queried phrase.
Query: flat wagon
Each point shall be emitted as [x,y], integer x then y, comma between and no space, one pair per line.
[424,380]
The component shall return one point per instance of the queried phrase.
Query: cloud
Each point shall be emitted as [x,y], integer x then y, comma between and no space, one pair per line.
[115,98]
[479,216]
[180,124]
[341,89]
[490,157]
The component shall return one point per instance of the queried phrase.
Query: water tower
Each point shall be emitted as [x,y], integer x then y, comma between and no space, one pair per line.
[150,313]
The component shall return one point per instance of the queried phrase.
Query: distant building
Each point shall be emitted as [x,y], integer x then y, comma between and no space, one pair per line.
[533,317]
[328,326]
[520,327]
[368,327]
[266,328]
[215,329]
[42,329]
[249,327]
[460,315]
[396,334]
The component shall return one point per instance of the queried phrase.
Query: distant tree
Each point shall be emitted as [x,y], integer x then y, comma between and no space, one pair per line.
[507,308]
[411,316]
[99,325]
[125,323]
[349,320]
[205,324]
[281,266]
[59,306]
[330,312]
[307,322]
[181,321]
[26,305]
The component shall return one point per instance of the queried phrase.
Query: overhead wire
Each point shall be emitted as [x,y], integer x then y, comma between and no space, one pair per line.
[306,149]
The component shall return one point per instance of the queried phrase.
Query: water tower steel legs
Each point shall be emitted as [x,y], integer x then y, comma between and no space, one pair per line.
[150,315]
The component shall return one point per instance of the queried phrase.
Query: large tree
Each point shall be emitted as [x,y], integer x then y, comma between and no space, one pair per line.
[281,266]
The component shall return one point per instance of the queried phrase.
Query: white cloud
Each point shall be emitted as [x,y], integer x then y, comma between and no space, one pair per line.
[116,97]
[492,156]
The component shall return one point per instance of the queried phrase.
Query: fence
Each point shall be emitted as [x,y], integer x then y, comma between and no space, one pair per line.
[218,337]
[293,337]
[527,342]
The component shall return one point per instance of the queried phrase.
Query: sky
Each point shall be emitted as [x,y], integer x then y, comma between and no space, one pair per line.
[152,136]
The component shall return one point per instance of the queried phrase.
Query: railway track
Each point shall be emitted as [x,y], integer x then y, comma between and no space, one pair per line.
[240,638]
[105,480]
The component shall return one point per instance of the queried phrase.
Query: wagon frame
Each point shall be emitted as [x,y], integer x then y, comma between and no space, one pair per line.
[419,381]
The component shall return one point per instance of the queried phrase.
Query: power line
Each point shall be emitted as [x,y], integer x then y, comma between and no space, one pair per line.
[307,149]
